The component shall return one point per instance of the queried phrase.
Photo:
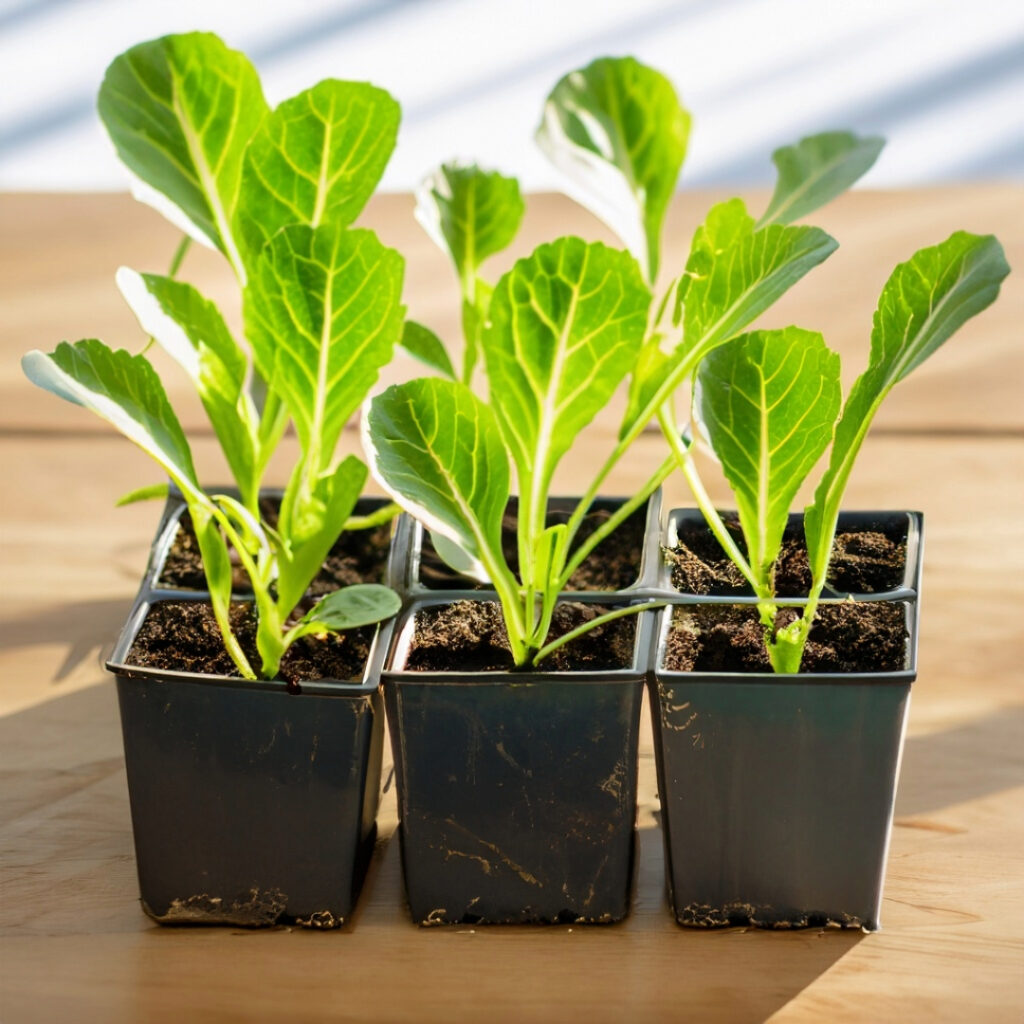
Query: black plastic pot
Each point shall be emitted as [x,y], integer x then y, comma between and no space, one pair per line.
[516,791]
[424,573]
[251,805]
[777,791]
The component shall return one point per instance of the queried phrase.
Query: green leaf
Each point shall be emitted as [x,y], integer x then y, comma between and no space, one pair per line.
[316,158]
[470,214]
[645,380]
[146,493]
[816,170]
[423,344]
[924,302]
[361,604]
[191,330]
[769,400]
[616,128]
[437,450]
[567,325]
[125,391]
[180,111]
[311,522]
[323,313]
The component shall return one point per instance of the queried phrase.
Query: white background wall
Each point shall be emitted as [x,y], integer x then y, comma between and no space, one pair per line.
[942,79]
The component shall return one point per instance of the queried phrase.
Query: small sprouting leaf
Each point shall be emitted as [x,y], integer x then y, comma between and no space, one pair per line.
[924,302]
[436,449]
[125,391]
[768,401]
[323,313]
[180,111]
[318,157]
[470,214]
[645,380]
[361,604]
[616,128]
[150,492]
[816,170]
[423,344]
[191,329]
[567,326]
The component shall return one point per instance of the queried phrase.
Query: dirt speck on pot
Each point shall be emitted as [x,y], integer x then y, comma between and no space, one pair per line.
[470,636]
[255,909]
[848,637]
[184,636]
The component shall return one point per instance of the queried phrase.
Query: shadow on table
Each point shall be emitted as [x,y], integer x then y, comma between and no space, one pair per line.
[88,628]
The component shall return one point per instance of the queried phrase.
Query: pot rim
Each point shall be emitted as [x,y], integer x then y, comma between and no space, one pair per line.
[650,560]
[401,634]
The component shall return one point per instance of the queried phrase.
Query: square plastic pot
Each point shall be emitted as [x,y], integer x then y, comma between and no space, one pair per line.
[516,791]
[251,805]
[777,791]
[444,580]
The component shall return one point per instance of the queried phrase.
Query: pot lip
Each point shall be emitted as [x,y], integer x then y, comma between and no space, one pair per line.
[401,634]
[175,506]
[650,560]
[901,677]
[909,588]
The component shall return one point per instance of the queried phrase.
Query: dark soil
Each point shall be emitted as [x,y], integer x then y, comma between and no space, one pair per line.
[851,637]
[183,636]
[359,556]
[470,636]
[613,565]
[863,562]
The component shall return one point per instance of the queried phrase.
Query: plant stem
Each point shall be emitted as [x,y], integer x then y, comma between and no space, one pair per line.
[383,515]
[179,255]
[618,613]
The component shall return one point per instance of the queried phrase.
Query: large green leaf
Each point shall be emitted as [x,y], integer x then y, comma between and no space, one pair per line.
[921,306]
[318,157]
[616,128]
[471,214]
[191,329]
[180,111]
[125,391]
[567,325]
[361,604]
[323,313]
[816,170]
[437,450]
[768,401]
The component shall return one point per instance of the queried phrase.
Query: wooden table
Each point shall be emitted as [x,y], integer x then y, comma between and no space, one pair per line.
[74,945]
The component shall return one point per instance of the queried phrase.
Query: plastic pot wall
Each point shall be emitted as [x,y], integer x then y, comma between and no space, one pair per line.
[517,792]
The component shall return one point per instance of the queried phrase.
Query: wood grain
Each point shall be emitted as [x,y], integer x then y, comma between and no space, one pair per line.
[74,944]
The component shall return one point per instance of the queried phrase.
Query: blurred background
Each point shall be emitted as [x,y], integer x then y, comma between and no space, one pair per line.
[942,79]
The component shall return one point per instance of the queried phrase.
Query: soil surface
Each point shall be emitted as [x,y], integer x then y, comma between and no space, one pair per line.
[866,637]
[470,636]
[183,636]
[613,565]
[863,562]
[359,556]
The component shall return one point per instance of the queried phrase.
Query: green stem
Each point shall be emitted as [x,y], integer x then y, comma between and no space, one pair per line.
[579,631]
[179,255]
[383,515]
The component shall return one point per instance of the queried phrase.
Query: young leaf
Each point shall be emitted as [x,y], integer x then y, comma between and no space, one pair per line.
[360,604]
[816,170]
[191,329]
[423,344]
[617,129]
[769,400]
[567,325]
[470,214]
[922,304]
[149,492]
[318,157]
[437,450]
[125,391]
[180,111]
[323,313]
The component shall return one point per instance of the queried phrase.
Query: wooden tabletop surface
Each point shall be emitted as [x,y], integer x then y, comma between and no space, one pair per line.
[74,944]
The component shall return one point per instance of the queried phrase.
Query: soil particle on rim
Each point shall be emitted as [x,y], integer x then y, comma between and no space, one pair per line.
[359,556]
[184,636]
[733,915]
[470,636]
[613,565]
[848,637]
[863,562]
